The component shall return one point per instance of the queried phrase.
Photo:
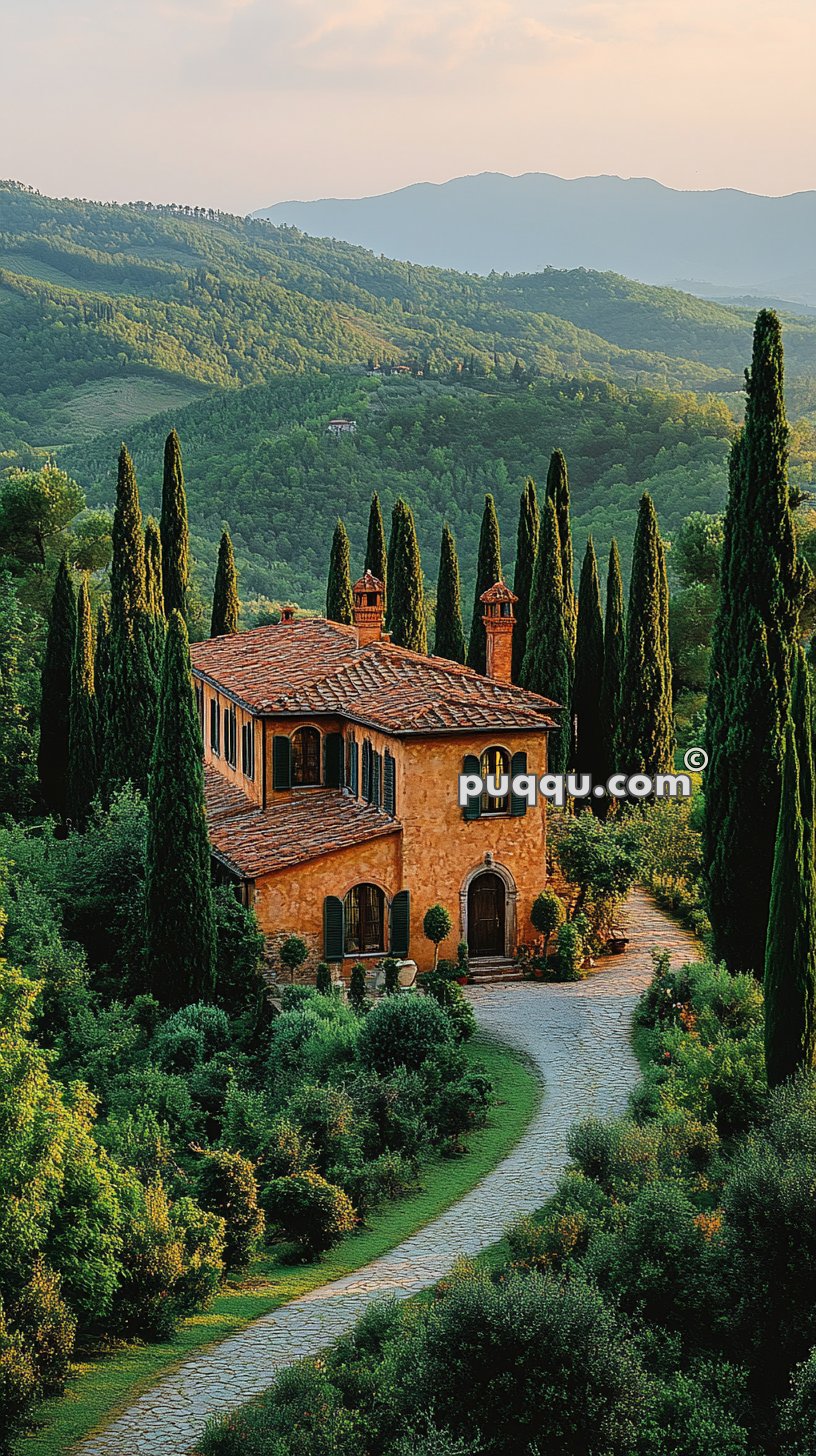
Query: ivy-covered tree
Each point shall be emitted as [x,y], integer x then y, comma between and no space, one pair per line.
[132,687]
[614,657]
[180,933]
[339,598]
[558,492]
[547,665]
[225,607]
[526,552]
[175,531]
[154,593]
[450,637]
[83,745]
[645,741]
[488,572]
[376,558]
[589,657]
[407,595]
[52,757]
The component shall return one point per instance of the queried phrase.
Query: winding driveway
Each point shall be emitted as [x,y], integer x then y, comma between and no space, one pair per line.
[578,1037]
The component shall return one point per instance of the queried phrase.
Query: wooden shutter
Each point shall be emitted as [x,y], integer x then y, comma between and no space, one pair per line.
[376,778]
[518,765]
[401,923]
[366,769]
[281,762]
[334,760]
[354,774]
[390,784]
[334,933]
[473,808]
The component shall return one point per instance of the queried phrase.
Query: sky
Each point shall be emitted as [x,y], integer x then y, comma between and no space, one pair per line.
[241,103]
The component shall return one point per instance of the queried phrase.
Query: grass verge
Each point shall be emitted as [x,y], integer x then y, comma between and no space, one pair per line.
[102,1387]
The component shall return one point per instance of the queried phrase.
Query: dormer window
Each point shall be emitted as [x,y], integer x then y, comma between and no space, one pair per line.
[306,757]
[494,767]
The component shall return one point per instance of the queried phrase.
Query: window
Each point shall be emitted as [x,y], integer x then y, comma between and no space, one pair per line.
[365,919]
[215,736]
[229,736]
[495,765]
[248,749]
[306,756]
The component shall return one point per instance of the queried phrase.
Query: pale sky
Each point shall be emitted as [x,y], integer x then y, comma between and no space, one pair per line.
[242,103]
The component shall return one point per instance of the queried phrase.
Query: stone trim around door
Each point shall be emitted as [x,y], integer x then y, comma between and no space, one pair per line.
[487,865]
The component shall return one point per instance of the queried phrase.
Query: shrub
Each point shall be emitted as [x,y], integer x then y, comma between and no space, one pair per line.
[202,1239]
[798,1413]
[18,1383]
[292,954]
[601,858]
[357,986]
[447,994]
[373,1181]
[570,952]
[190,1036]
[172,1261]
[323,980]
[47,1325]
[403,1031]
[325,1117]
[308,1210]
[390,970]
[226,1186]
[436,927]
[547,914]
[239,952]
[302,1414]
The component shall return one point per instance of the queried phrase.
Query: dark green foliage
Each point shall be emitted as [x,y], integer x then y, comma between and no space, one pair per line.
[488,572]
[17,683]
[225,607]
[307,1209]
[102,667]
[376,558]
[547,914]
[526,552]
[155,624]
[437,926]
[240,946]
[323,979]
[131,692]
[547,666]
[292,953]
[790,952]
[762,586]
[180,937]
[450,637]
[645,740]
[226,1186]
[402,1031]
[83,754]
[357,986]
[339,604]
[406,587]
[52,757]
[558,492]
[589,663]
[175,535]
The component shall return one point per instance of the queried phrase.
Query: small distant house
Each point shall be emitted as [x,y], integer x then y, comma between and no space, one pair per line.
[342,425]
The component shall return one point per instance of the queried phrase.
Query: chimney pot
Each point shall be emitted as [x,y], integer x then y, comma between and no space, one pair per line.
[499,620]
[369,598]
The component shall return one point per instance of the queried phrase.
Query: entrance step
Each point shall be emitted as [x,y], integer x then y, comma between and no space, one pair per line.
[496,968]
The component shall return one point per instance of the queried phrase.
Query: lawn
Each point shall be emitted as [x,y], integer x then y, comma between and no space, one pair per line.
[102,1387]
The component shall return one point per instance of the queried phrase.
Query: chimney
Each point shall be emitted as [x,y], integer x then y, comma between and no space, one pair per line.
[499,620]
[287,613]
[369,595]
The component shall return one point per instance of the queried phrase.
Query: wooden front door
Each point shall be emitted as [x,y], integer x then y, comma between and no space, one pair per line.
[486,916]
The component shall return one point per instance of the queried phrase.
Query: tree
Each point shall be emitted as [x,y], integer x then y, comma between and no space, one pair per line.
[790,951]
[547,665]
[339,600]
[762,586]
[36,507]
[102,655]
[645,739]
[589,657]
[52,758]
[397,518]
[558,492]
[407,594]
[526,552]
[488,572]
[613,663]
[225,607]
[293,953]
[436,927]
[154,592]
[450,636]
[132,688]
[17,754]
[376,559]
[175,533]
[83,760]
[180,938]
[547,914]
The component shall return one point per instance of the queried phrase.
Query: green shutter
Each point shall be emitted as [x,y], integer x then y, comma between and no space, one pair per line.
[376,778]
[390,784]
[334,932]
[366,794]
[334,760]
[355,767]
[401,923]
[281,762]
[518,765]
[473,808]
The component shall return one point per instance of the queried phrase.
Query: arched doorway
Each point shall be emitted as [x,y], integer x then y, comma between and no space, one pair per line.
[486,915]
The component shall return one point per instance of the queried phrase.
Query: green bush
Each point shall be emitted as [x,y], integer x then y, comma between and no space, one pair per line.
[570,952]
[325,1118]
[323,979]
[547,914]
[172,1257]
[436,927]
[18,1384]
[447,994]
[239,952]
[226,1186]
[49,1328]
[403,1031]
[798,1412]
[357,986]
[309,1211]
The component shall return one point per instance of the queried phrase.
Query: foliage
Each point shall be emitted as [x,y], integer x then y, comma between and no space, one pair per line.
[406,594]
[225,604]
[668,834]
[357,986]
[83,731]
[601,859]
[547,914]
[570,951]
[308,1210]
[323,979]
[292,954]
[376,558]
[131,692]
[548,661]
[339,604]
[175,532]
[17,746]
[644,741]
[436,927]
[450,636]
[589,664]
[614,657]
[488,572]
[529,523]
[558,492]
[226,1186]
[402,1031]
[52,758]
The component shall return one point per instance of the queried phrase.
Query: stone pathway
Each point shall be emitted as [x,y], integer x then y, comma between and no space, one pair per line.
[578,1038]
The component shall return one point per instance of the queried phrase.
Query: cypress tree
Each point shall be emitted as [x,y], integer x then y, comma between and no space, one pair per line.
[175,531]
[559,493]
[488,572]
[180,938]
[339,599]
[101,678]
[761,590]
[376,560]
[83,760]
[547,665]
[154,592]
[790,953]
[614,654]
[408,625]
[224,620]
[450,635]
[52,757]
[645,741]
[589,664]
[397,519]
[526,551]
[132,687]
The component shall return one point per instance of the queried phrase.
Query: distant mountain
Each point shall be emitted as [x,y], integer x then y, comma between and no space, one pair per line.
[724,240]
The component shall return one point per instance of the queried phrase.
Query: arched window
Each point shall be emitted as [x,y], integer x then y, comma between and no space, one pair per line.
[306,756]
[365,919]
[495,765]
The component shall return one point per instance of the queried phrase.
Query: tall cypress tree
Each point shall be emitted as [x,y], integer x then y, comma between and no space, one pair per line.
[589,663]
[559,493]
[52,758]
[762,586]
[132,688]
[450,635]
[790,952]
[180,938]
[645,742]
[102,655]
[154,593]
[547,665]
[339,599]
[612,677]
[224,620]
[397,520]
[488,572]
[83,759]
[408,625]
[175,531]
[376,559]
[526,552]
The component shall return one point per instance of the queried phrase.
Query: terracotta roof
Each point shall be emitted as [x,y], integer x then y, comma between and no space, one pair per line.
[312,822]
[312,666]
[498,592]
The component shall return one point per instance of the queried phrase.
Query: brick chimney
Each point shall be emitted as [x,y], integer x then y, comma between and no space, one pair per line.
[369,597]
[288,612]
[499,620]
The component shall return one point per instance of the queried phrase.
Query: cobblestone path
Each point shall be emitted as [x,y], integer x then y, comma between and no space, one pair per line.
[578,1037]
